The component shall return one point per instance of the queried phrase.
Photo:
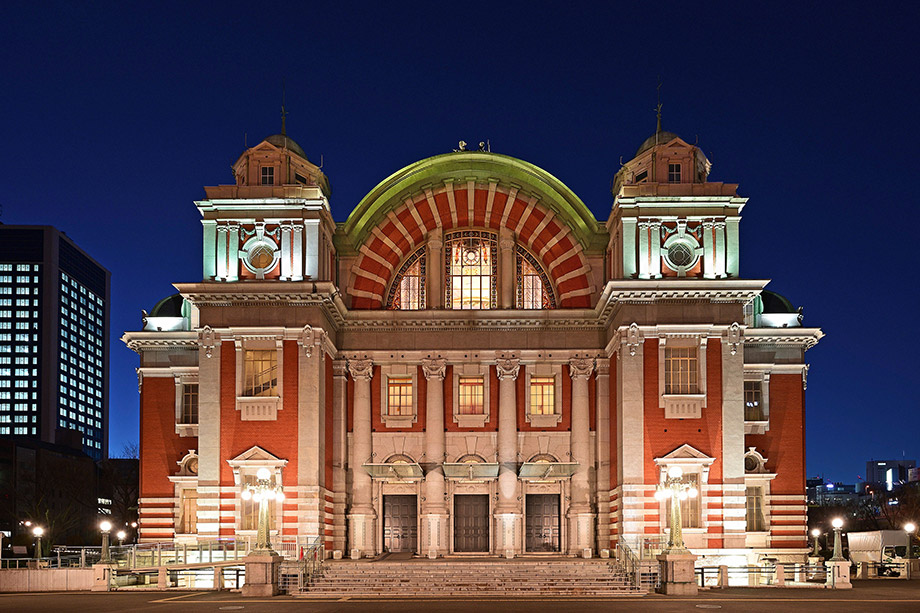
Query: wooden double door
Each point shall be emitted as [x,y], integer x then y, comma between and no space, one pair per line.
[541,529]
[400,523]
[471,523]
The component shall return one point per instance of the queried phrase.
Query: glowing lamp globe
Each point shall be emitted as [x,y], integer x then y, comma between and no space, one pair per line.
[38,531]
[910,528]
[105,526]
[682,495]
[263,474]
[816,533]
[247,495]
[121,535]
[675,472]
[659,495]
[279,496]
[837,522]
[693,492]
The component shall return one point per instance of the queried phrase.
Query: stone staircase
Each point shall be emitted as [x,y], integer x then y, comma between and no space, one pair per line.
[481,577]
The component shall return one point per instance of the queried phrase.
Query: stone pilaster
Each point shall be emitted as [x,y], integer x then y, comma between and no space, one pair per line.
[602,446]
[209,460]
[508,516]
[339,451]
[581,518]
[434,509]
[435,295]
[506,269]
[362,515]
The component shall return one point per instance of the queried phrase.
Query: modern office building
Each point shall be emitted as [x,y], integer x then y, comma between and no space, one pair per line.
[472,363]
[888,473]
[54,326]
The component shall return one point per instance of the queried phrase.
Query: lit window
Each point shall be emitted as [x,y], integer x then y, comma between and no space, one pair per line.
[408,290]
[673,173]
[533,287]
[471,396]
[249,511]
[399,396]
[680,370]
[689,507]
[753,401]
[188,512]
[261,372]
[542,395]
[471,270]
[754,509]
[268,175]
[189,403]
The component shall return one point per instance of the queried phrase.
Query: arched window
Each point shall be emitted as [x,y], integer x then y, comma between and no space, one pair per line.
[408,290]
[471,269]
[533,287]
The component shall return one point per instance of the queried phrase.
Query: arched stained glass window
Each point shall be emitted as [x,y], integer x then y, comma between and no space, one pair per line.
[471,269]
[408,290]
[533,288]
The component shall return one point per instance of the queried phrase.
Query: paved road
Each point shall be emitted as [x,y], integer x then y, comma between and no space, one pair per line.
[866,596]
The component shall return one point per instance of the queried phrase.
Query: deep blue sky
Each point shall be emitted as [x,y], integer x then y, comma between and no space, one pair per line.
[114,115]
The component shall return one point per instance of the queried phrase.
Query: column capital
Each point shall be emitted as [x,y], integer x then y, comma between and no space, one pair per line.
[603,367]
[310,337]
[434,368]
[581,368]
[339,368]
[361,369]
[507,368]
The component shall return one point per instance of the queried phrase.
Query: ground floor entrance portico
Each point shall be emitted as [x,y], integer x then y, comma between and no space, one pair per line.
[471,523]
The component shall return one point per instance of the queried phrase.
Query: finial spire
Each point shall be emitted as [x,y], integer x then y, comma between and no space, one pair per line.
[658,108]
[283,112]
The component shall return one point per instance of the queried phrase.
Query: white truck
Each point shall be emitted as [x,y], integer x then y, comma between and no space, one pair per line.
[884,548]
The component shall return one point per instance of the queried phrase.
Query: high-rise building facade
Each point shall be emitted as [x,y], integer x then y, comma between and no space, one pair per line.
[54,319]
[472,362]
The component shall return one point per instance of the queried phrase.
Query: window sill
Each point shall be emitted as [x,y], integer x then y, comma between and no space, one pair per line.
[544,421]
[187,430]
[398,421]
[258,408]
[756,427]
[471,421]
[683,406]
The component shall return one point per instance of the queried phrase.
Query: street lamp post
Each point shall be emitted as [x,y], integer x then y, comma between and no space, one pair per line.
[38,531]
[675,490]
[263,491]
[909,528]
[121,538]
[815,533]
[837,523]
[105,527]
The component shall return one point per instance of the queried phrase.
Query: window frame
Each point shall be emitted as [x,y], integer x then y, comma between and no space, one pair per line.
[757,426]
[466,420]
[417,256]
[543,420]
[259,408]
[182,377]
[671,173]
[270,174]
[451,240]
[683,405]
[522,255]
[398,371]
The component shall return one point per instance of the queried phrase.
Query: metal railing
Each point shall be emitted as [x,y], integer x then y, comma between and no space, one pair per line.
[643,572]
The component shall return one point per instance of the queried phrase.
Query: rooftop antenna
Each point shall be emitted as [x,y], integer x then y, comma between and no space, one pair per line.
[283,112]
[246,139]
[658,111]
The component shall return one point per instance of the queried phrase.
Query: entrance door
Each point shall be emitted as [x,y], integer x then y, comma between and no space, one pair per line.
[471,522]
[541,532]
[400,523]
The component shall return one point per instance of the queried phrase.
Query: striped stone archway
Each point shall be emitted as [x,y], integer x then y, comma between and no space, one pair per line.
[549,220]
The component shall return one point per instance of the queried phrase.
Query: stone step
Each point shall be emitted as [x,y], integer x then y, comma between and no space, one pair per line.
[477,593]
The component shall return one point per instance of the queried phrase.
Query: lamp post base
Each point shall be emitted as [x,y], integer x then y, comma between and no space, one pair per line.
[263,573]
[678,575]
[838,574]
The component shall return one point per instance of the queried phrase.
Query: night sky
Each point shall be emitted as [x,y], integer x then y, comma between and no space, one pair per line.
[114,115]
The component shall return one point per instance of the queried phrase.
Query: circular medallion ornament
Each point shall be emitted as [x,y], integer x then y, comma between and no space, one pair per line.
[260,255]
[681,254]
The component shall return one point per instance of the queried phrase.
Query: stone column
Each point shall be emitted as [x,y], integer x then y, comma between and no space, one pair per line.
[233,251]
[209,428]
[720,249]
[709,251]
[339,451]
[734,524]
[508,509]
[297,252]
[506,271]
[221,271]
[210,249]
[434,274]
[362,515]
[631,433]
[643,250]
[581,519]
[286,271]
[434,509]
[629,249]
[602,453]
[654,248]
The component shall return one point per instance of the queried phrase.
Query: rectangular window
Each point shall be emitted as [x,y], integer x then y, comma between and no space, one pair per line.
[399,396]
[680,370]
[753,401]
[754,512]
[673,173]
[188,512]
[268,175]
[260,372]
[642,176]
[471,396]
[189,403]
[542,395]
[689,507]
[249,510]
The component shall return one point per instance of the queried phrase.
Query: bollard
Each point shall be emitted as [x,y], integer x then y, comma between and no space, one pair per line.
[218,578]
[162,578]
[586,553]
[509,554]
[605,554]
[779,577]
[355,554]
[723,576]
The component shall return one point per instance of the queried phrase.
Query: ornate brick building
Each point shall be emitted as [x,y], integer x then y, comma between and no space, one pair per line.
[473,363]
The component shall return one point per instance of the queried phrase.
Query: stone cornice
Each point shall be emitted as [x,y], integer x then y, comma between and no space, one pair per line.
[808,337]
[140,341]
